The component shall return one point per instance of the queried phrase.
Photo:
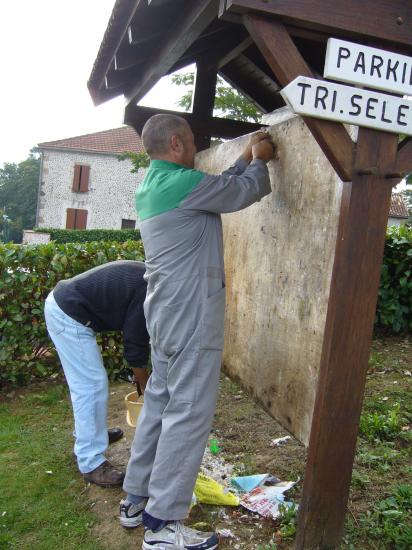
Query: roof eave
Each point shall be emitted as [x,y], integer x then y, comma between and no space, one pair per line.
[122,14]
[77,150]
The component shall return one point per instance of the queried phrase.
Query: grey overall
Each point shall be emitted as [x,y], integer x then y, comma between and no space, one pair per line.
[184,310]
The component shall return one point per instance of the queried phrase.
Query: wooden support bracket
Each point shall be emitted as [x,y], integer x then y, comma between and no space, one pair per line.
[287,63]
[204,100]
[388,20]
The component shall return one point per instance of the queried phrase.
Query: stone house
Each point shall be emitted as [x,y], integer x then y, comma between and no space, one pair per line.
[84,186]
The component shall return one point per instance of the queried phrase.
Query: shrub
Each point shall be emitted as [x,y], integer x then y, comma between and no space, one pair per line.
[91,235]
[28,274]
[389,520]
[394,309]
[385,426]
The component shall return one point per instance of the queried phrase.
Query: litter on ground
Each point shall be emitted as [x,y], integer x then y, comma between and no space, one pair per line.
[279,441]
[262,494]
[266,500]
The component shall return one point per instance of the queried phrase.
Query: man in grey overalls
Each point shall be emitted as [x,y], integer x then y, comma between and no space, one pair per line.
[179,211]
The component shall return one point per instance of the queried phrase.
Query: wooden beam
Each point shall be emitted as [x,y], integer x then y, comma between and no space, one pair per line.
[216,51]
[251,81]
[119,78]
[287,63]
[189,27]
[346,346]
[136,116]
[389,20]
[204,100]
[129,55]
[234,52]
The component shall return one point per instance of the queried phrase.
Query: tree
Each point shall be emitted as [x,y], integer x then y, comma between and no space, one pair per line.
[18,197]
[229,103]
[139,160]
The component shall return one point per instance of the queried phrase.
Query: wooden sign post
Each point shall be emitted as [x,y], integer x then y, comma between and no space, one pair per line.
[369,169]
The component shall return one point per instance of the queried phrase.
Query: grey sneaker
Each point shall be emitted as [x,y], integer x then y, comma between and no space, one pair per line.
[175,536]
[131,514]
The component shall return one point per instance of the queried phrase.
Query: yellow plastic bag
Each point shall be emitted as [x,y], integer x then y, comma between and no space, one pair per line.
[209,491]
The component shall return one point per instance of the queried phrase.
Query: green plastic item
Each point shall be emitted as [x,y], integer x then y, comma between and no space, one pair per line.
[214,447]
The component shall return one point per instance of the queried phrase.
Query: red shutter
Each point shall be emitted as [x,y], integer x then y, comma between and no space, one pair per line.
[70,218]
[81,219]
[76,178]
[84,179]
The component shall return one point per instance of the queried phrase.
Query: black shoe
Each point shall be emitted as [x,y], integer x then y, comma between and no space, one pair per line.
[114,434]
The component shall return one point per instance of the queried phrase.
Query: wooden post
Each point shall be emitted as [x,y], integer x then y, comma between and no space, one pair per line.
[352,302]
[346,346]
[204,99]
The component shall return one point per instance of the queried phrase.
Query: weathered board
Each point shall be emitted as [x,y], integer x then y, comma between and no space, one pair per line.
[278,262]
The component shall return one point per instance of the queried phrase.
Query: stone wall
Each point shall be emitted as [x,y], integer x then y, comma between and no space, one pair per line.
[109,199]
[279,256]
[32,237]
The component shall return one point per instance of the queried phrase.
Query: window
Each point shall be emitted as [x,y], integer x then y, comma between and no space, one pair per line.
[128,224]
[81,178]
[76,218]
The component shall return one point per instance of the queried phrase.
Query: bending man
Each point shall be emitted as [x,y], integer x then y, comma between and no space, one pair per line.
[108,297]
[179,211]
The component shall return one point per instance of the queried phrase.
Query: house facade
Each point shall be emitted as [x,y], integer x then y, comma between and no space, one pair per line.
[83,185]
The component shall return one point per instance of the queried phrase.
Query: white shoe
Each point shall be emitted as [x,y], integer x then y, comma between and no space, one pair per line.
[175,536]
[131,514]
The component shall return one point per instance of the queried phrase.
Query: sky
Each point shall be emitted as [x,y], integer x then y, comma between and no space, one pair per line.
[47,51]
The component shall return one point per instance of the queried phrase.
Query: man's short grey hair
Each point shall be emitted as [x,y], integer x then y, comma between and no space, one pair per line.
[158,131]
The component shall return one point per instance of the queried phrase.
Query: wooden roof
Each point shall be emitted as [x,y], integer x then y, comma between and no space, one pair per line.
[247,42]
[147,39]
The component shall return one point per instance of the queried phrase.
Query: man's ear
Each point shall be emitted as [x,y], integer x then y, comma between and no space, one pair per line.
[176,144]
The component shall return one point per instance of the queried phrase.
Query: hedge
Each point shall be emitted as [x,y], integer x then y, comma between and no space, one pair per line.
[28,274]
[91,235]
[394,310]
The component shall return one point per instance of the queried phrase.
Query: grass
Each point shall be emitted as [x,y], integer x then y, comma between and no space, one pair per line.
[41,506]
[388,523]
[380,503]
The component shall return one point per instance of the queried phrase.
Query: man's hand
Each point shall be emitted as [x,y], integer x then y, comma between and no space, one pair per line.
[264,150]
[255,138]
[140,378]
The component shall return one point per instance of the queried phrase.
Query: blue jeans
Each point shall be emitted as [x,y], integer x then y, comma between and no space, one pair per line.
[86,377]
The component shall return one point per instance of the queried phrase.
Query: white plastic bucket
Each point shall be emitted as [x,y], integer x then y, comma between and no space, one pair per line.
[134,405]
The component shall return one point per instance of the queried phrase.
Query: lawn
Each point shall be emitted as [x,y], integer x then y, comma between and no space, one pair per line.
[45,504]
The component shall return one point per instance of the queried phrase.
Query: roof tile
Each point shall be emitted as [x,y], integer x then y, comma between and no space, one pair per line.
[115,141]
[398,207]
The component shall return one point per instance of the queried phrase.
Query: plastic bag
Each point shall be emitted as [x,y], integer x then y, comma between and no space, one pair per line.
[209,491]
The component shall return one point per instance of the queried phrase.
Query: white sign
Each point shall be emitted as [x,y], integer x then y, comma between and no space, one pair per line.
[367,66]
[321,99]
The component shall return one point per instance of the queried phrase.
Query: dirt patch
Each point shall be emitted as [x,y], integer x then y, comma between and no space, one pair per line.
[244,432]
